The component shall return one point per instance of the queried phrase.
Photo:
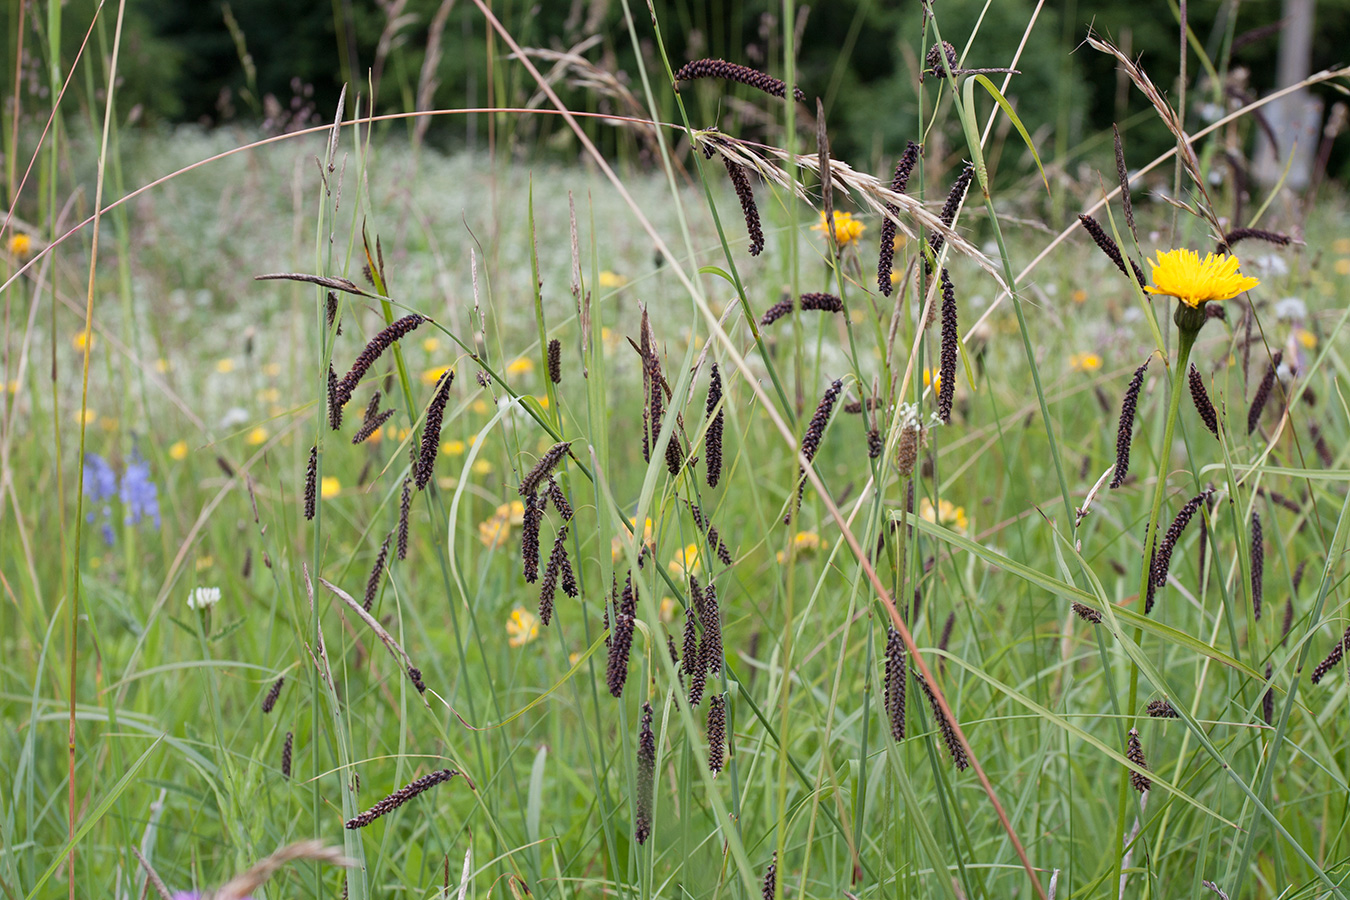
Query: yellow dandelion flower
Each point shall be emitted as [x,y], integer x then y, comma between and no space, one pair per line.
[542,401]
[521,366]
[947,514]
[453,448]
[431,344]
[80,341]
[272,370]
[225,366]
[20,245]
[804,542]
[685,562]
[1085,362]
[162,365]
[932,377]
[89,416]
[612,280]
[522,627]
[667,611]
[1341,245]
[847,230]
[269,395]
[479,406]
[1306,338]
[179,451]
[256,436]
[1342,266]
[1079,296]
[1182,274]
[482,467]
[616,545]
[329,487]
[433,376]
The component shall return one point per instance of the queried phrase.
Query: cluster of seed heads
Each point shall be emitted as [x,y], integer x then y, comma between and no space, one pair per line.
[1108,245]
[899,183]
[815,430]
[1134,752]
[1125,431]
[270,701]
[400,797]
[817,302]
[1332,659]
[945,727]
[1162,563]
[712,440]
[1162,709]
[950,340]
[894,699]
[727,71]
[1200,397]
[431,431]
[646,777]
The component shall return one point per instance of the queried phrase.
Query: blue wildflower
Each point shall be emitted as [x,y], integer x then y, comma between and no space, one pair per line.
[139,495]
[100,485]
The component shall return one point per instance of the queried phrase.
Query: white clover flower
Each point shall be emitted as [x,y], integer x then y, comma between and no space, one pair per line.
[203,597]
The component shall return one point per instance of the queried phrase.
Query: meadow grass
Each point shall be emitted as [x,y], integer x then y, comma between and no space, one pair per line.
[990,544]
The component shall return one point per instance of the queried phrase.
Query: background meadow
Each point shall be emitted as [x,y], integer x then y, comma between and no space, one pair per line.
[160,575]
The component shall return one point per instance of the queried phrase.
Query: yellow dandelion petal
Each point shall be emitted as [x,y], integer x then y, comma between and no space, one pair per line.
[1079,296]
[269,395]
[612,280]
[433,376]
[329,487]
[453,448]
[1306,338]
[1341,245]
[479,406]
[686,562]
[431,344]
[12,386]
[81,340]
[88,417]
[494,531]
[520,366]
[522,627]
[205,562]
[20,245]
[1085,362]
[667,611]
[847,230]
[272,370]
[162,365]
[482,467]
[225,366]
[178,451]
[256,436]
[1182,274]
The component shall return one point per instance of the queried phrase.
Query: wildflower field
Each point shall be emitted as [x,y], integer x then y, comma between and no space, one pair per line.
[713,518]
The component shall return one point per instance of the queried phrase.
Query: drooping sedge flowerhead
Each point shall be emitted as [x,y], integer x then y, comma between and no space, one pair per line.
[1193,281]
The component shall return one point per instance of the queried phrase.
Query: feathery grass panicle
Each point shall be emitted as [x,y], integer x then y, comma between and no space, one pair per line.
[749,210]
[1108,245]
[621,642]
[1123,176]
[894,696]
[400,797]
[646,777]
[1087,613]
[529,485]
[1263,392]
[558,499]
[529,536]
[431,431]
[811,302]
[548,587]
[270,701]
[1163,561]
[1162,709]
[1332,659]
[944,725]
[1125,431]
[1200,397]
[555,361]
[899,184]
[376,573]
[1242,234]
[415,676]
[1268,700]
[404,510]
[712,441]
[770,878]
[372,425]
[372,352]
[717,732]
[286,756]
[815,430]
[1134,752]
[311,481]
[710,648]
[728,71]
[1258,564]
[950,339]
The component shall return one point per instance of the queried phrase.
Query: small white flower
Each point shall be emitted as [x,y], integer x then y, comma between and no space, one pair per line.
[234,417]
[203,597]
[1291,309]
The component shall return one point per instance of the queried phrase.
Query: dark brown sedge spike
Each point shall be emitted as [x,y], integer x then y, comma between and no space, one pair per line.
[944,725]
[270,701]
[431,431]
[710,648]
[646,777]
[548,586]
[568,580]
[1268,700]
[529,485]
[717,732]
[372,352]
[558,499]
[894,697]
[1123,176]
[1321,446]
[555,361]
[949,209]
[748,208]
[621,642]
[286,756]
[370,426]
[400,797]
[404,508]
[933,67]
[899,183]
[690,662]
[875,444]
[1263,392]
[1200,397]
[727,71]
[415,676]
[1298,573]
[1087,614]
[809,302]
[1125,430]
[376,574]
[1163,561]
[1162,709]
[815,430]
[950,351]
[1332,659]
[1288,621]
[311,479]
[712,440]
[335,401]
[770,885]
[1258,564]
[333,311]
[1108,245]
[1242,234]
[529,537]
[1152,589]
[1134,752]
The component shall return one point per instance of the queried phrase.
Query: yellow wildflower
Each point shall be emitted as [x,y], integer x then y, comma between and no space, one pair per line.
[804,542]
[269,395]
[616,545]
[225,366]
[1306,338]
[12,386]
[431,344]
[479,406]
[685,562]
[272,370]
[947,514]
[453,448]
[667,610]
[932,377]
[1079,296]
[521,366]
[482,467]
[496,528]
[847,230]
[1341,245]
[256,436]
[88,418]
[1182,274]
[1085,362]
[81,341]
[522,627]
[329,487]
[178,451]
[433,376]
[162,365]
[610,279]
[20,245]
